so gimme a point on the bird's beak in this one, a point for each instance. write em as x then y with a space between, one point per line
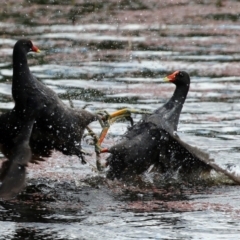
171 77
166 79
35 49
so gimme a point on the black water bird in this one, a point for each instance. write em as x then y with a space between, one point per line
153 140
56 126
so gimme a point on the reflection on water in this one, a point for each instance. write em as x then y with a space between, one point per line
112 64
179 213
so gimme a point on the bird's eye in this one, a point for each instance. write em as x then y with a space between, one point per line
180 74
29 45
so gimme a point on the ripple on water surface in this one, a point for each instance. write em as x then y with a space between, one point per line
120 63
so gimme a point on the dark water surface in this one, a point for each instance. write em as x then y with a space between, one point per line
113 55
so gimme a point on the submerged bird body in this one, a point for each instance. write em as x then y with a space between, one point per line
153 140
56 126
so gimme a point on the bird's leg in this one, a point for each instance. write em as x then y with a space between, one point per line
105 119
97 142
109 119
98 148
122 113
84 160
95 138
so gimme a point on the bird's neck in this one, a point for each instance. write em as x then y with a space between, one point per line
180 94
20 64
22 81
174 107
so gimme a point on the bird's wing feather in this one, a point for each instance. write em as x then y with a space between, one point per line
205 158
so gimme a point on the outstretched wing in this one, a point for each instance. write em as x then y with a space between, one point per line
198 156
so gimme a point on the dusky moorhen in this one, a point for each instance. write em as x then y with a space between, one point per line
57 126
153 140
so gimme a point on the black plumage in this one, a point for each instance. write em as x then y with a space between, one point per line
56 126
13 171
153 140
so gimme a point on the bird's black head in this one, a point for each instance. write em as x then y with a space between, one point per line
26 46
178 78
